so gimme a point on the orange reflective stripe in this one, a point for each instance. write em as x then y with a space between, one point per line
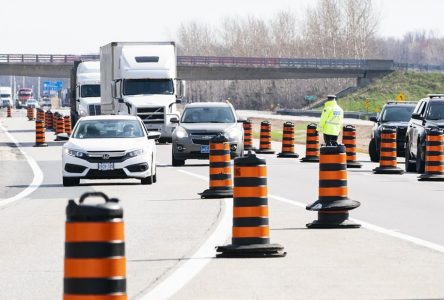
94 231
93 267
333 175
435 158
219 146
434 168
348 133
226 170
333 159
253 211
95 297
337 191
390 163
260 191
435 148
215 183
388 136
240 232
388 153
259 171
220 158
435 138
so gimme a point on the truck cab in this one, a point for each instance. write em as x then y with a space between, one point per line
23 95
140 79
6 96
85 89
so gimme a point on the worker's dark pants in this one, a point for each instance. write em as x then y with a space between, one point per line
330 139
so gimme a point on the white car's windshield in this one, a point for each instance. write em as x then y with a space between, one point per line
105 129
208 115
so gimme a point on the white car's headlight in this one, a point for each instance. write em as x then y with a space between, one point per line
181 132
75 153
232 133
134 153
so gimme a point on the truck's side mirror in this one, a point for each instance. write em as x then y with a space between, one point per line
116 89
416 116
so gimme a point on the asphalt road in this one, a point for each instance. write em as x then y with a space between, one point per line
171 233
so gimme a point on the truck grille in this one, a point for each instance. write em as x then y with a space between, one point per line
151 115
94 109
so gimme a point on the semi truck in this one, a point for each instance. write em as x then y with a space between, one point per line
23 95
139 78
85 90
5 96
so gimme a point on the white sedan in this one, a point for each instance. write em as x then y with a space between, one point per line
109 147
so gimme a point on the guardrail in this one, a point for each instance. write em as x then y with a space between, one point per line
44 58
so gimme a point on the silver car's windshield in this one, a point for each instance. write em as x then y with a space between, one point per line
208 115
105 129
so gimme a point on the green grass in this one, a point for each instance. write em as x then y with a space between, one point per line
414 85
276 135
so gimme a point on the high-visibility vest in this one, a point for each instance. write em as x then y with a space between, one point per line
331 119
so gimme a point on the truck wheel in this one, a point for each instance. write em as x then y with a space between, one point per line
374 155
420 160
409 167
69 181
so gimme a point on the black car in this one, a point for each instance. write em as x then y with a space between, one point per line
428 113
394 114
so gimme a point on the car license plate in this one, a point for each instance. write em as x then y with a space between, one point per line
204 149
107 166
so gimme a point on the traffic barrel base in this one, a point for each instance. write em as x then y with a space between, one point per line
311 144
250 232
354 164
333 203
290 155
265 139
220 170
434 156
387 160
94 264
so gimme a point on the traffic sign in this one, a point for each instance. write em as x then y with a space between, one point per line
401 97
367 103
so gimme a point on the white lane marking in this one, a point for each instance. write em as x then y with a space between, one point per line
185 272
392 233
38 174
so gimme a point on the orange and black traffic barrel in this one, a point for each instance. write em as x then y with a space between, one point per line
221 183
248 135
333 203
60 125
265 139
48 118
311 144
434 155
288 141
39 134
387 160
95 265
250 233
30 113
349 140
8 112
41 116
67 123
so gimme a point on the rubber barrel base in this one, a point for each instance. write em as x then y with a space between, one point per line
289 155
388 170
310 159
41 145
329 225
354 164
431 177
215 194
265 151
255 250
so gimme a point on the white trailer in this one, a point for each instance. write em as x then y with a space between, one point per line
6 96
139 78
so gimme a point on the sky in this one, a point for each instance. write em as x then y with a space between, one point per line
82 26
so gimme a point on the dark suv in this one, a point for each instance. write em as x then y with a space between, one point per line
428 113
395 114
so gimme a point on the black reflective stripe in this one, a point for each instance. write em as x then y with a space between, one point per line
331 198
332 167
251 201
434 153
434 163
349 138
312 134
220 176
332 183
388 149
221 164
387 158
219 152
433 143
250 241
265 143
94 249
288 139
388 140
351 153
94 286
249 222
265 130
250 181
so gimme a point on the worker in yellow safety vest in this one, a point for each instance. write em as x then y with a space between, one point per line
331 120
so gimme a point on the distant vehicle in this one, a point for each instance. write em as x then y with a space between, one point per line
140 79
45 102
110 147
429 112
395 114
32 103
6 96
201 122
85 90
22 96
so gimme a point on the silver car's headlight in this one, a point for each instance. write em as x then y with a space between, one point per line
181 132
75 153
134 153
232 134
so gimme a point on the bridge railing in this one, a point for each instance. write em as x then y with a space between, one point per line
44 58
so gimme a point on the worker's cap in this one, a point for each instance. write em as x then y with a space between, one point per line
331 97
